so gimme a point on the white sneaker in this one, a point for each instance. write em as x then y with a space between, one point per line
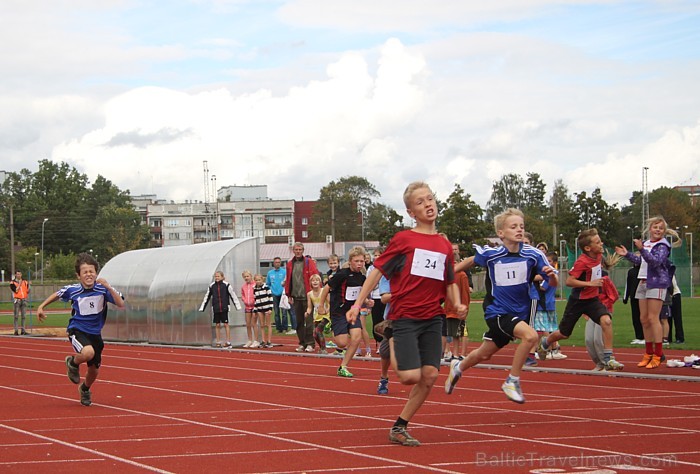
248 344
255 344
675 363
637 341
557 355
512 390
291 332
310 349
690 359
299 349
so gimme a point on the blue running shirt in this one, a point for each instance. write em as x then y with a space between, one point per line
508 279
88 306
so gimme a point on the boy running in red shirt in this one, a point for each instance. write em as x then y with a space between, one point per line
586 279
419 265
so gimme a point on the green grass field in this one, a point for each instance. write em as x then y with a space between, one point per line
622 323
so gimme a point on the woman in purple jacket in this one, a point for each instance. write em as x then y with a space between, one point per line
655 273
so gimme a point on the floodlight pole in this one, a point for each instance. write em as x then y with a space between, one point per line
691 262
42 249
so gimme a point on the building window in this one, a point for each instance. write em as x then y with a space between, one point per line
304 221
304 234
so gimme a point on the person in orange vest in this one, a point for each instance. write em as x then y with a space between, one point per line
20 293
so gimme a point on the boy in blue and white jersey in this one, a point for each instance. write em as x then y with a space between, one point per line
88 298
510 270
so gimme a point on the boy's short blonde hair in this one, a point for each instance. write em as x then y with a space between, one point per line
333 257
410 189
356 251
500 220
244 272
586 237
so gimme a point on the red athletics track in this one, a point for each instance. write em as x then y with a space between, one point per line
190 410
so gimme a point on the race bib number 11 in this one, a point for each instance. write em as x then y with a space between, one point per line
428 264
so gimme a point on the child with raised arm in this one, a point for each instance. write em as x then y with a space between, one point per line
420 267
88 298
343 288
655 274
220 292
510 269
586 280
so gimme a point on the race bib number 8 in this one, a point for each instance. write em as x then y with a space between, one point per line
428 264
509 274
91 305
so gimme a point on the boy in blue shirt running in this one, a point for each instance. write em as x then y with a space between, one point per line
88 298
510 270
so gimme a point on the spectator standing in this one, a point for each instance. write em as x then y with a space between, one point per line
297 286
20 294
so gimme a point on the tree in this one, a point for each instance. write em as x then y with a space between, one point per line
461 220
594 211
348 200
506 192
382 223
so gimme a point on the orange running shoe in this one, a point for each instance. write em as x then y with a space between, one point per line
654 362
645 360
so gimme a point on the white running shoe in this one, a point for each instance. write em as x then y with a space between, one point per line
512 390
299 349
255 344
309 349
453 377
637 341
557 355
248 344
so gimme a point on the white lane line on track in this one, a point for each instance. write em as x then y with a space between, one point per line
80 448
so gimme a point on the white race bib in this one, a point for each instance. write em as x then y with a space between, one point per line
509 274
596 273
428 264
351 292
91 305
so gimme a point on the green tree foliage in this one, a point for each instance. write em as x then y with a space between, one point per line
506 192
382 223
347 199
594 211
461 220
80 216
61 267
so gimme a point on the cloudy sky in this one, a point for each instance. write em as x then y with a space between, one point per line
294 94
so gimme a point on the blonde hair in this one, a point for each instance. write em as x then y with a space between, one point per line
258 276
610 259
316 276
246 272
355 251
675 238
500 220
410 189
333 257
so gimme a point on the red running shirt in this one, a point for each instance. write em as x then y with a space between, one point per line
419 268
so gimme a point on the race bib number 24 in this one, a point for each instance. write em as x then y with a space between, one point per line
428 264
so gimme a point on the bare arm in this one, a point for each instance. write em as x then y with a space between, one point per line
40 310
118 300
465 264
370 283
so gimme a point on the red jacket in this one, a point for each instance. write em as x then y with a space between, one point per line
309 269
608 294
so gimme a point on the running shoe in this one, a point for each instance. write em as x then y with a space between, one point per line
23 333
531 362
645 360
599 368
255 344
248 344
541 351
344 372
614 365
453 377
383 387
556 355
309 349
299 349
399 435
379 328
654 362
512 390
72 371
637 341
85 395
